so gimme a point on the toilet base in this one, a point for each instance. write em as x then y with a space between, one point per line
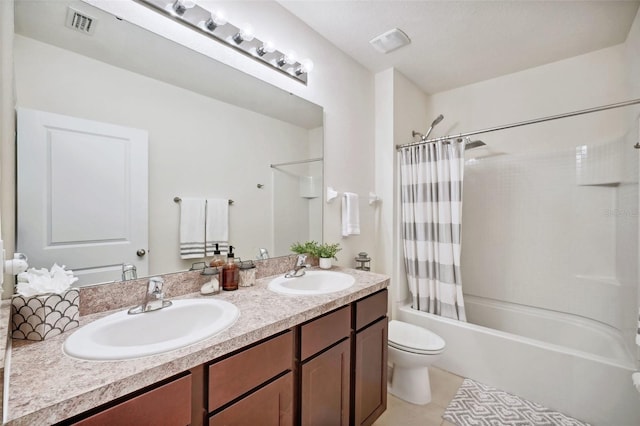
410 384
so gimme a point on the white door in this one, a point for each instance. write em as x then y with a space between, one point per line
82 195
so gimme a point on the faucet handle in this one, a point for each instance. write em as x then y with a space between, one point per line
155 286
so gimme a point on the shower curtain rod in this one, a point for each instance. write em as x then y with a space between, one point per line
311 160
525 123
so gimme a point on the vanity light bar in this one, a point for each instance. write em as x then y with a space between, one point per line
214 25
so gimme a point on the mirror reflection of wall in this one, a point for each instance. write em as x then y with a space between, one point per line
297 201
198 146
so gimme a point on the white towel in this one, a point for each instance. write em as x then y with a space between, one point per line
350 214
217 228
192 221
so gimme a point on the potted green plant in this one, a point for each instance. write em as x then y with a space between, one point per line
307 247
326 253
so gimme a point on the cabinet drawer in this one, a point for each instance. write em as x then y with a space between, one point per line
271 405
371 309
325 331
238 374
169 404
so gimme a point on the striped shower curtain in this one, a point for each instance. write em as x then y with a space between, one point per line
431 197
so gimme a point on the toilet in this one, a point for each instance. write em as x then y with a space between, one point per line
411 350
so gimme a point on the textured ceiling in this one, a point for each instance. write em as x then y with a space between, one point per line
455 43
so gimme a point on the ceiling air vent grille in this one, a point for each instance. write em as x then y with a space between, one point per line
80 22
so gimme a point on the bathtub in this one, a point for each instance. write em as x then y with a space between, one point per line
591 380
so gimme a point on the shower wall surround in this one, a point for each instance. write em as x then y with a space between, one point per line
550 210
545 230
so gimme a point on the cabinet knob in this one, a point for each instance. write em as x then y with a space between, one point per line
141 252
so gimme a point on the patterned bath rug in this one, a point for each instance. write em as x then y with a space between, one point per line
476 404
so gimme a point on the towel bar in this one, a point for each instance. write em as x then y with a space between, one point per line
178 199
332 193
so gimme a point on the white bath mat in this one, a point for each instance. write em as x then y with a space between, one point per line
476 404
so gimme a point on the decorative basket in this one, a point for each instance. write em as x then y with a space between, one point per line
42 317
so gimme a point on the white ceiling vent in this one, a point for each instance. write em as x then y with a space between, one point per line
389 41
79 21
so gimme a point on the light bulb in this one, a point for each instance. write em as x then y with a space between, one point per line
289 58
179 7
216 20
306 66
267 47
245 34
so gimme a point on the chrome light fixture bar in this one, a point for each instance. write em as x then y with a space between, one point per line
216 26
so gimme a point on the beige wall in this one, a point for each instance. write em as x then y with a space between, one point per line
401 107
585 81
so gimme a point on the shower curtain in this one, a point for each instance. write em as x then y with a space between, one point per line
431 177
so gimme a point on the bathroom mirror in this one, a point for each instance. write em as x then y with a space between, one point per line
213 131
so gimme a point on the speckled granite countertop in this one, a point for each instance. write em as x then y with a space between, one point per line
46 386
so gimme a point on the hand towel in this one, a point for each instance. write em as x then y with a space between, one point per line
217 227
192 227
350 214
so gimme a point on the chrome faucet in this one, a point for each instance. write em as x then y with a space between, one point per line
263 254
129 272
153 299
298 270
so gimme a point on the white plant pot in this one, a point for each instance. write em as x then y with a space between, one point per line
325 262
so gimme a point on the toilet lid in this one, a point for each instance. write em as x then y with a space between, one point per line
412 338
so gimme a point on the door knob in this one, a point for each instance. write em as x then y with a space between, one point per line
141 252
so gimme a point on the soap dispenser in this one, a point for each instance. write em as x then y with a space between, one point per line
230 272
217 260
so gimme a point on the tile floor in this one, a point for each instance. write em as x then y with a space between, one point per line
444 386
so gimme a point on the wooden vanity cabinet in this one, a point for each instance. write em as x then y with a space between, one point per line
331 370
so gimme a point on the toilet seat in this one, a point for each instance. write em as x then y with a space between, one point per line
411 338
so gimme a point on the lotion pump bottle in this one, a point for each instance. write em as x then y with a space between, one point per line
217 260
230 273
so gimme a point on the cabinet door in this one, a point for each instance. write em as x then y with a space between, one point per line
271 405
371 373
169 404
325 387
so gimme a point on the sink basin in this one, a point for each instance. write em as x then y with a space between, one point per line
312 282
123 336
